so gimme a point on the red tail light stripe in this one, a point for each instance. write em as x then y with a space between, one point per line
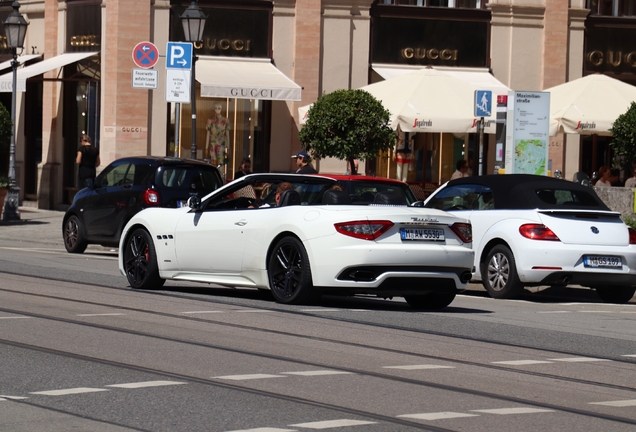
365 230
537 232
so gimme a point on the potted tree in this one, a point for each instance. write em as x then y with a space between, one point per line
348 125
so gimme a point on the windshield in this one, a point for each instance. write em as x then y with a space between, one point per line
364 192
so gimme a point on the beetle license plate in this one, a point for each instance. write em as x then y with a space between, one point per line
600 261
422 234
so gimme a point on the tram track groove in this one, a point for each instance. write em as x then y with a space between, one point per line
339 408
498 367
360 372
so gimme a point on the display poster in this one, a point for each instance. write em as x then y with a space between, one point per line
527 132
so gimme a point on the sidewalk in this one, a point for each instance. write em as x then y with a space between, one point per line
38 228
34 226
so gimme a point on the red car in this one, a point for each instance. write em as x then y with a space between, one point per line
362 189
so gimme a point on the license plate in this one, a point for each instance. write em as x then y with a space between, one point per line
423 234
596 261
182 203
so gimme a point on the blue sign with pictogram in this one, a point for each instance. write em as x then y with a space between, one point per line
145 55
483 103
179 55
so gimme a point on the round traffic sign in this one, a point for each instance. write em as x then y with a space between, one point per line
145 55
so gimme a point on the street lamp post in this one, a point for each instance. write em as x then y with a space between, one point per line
15 28
193 20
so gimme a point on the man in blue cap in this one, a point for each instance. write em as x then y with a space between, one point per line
303 161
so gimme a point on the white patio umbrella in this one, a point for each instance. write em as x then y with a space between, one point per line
427 100
588 105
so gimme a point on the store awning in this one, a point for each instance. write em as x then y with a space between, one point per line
480 78
6 80
21 60
244 78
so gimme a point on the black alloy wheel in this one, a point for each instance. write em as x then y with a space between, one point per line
430 301
74 240
289 273
140 261
499 274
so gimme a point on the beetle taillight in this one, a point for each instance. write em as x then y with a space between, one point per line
151 197
463 230
537 232
366 230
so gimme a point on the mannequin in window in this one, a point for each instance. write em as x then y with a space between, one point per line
218 135
403 154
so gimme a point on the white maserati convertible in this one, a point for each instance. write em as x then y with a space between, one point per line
298 236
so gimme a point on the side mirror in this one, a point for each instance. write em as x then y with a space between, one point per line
194 202
418 204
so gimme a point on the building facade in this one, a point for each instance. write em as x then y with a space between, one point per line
261 60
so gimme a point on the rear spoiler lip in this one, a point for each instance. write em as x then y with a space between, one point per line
586 211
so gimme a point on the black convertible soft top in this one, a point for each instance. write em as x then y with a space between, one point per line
527 191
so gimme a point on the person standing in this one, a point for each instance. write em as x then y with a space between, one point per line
631 182
403 155
303 162
88 160
604 173
246 168
461 169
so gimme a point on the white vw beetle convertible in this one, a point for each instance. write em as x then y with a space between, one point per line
298 236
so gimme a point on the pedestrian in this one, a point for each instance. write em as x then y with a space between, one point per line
604 174
615 177
88 160
245 168
461 169
631 182
303 162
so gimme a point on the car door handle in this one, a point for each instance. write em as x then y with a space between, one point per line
242 222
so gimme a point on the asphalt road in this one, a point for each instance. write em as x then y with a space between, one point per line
82 351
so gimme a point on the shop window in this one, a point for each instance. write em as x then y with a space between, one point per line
469 4
615 8
228 130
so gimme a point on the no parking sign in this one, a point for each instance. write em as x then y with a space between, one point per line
145 55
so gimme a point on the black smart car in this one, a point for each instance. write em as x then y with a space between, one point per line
128 185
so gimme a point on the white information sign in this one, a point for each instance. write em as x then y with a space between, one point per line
527 132
145 78
178 85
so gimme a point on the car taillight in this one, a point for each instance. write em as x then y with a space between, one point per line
632 236
366 230
463 230
151 197
537 232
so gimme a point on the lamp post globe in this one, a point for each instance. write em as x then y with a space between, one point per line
15 27
193 21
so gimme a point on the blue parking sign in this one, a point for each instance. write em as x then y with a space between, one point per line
179 55
483 103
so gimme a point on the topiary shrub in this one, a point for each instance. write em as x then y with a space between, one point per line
348 125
